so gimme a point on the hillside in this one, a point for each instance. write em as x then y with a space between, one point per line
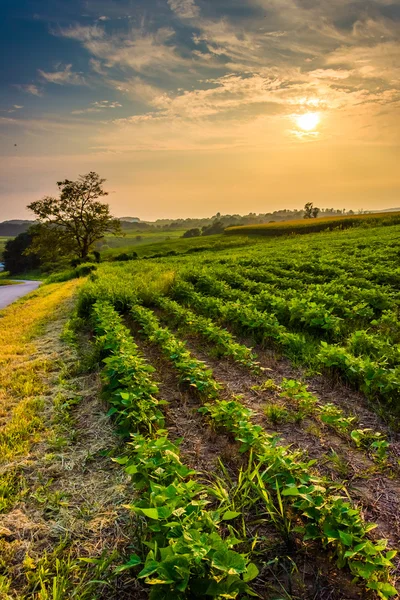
14 228
231 410
302 226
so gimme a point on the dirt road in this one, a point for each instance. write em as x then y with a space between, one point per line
10 293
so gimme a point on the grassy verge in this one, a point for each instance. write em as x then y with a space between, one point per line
22 370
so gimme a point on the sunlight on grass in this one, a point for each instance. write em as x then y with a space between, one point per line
21 377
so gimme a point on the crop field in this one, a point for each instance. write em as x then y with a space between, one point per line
252 392
112 245
303 226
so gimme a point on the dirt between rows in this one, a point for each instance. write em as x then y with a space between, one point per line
376 493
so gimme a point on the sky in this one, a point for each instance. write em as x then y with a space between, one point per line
193 107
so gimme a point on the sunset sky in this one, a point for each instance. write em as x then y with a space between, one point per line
190 107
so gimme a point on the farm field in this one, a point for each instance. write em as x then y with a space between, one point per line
241 403
303 226
111 245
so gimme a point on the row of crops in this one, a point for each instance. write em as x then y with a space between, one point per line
330 304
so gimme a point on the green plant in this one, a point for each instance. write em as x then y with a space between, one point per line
276 413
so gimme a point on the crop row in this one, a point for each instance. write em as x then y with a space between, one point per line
306 403
224 343
329 414
188 556
369 375
325 516
325 311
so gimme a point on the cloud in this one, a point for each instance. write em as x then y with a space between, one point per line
63 77
185 9
80 33
137 89
97 107
138 50
29 88
380 61
330 74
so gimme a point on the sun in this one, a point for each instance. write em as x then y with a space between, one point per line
308 121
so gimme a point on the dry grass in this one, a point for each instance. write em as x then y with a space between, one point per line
21 370
62 496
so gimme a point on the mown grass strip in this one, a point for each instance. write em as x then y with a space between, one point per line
21 374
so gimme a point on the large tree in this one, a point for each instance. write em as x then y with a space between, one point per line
15 256
77 214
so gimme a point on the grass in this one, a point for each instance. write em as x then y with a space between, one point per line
29 276
21 370
36 398
179 245
302 226
8 282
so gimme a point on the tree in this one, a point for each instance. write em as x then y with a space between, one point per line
310 211
15 256
76 215
214 228
54 246
190 233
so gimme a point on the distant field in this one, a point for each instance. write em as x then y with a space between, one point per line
137 238
177 244
315 225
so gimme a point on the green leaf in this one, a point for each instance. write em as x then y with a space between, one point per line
230 514
150 568
134 561
363 570
386 590
131 470
229 561
251 573
152 513
346 538
291 491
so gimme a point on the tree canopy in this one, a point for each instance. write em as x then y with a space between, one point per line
15 256
311 211
76 216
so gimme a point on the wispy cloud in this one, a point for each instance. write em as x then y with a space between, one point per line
64 76
97 107
29 88
137 50
185 9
